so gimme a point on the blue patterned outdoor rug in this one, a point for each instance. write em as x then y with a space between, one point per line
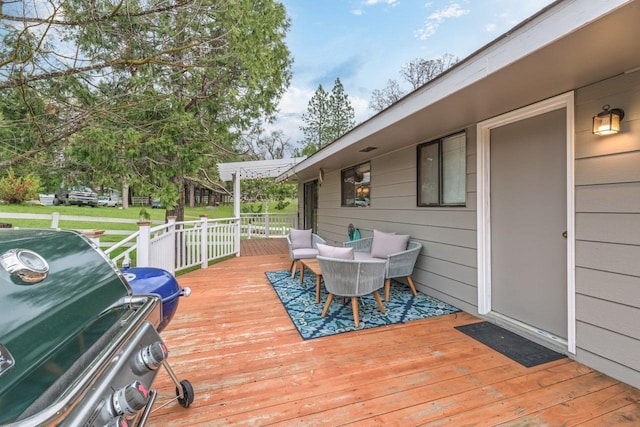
299 299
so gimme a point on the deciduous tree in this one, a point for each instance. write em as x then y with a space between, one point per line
416 73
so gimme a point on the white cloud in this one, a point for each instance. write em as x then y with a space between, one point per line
374 2
490 28
434 20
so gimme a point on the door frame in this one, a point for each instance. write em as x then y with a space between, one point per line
564 101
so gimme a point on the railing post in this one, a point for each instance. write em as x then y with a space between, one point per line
236 239
144 243
55 219
94 236
171 220
204 242
266 224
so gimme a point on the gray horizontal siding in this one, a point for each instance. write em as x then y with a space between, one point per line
613 258
612 198
608 352
607 176
597 312
447 265
613 287
609 228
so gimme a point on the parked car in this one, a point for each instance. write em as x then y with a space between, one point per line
108 201
76 197
155 204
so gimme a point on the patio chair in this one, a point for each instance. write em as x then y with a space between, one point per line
398 250
352 279
303 244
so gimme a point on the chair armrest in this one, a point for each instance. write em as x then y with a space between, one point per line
402 263
360 245
315 239
290 248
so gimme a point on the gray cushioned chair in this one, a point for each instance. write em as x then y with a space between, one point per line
398 264
303 244
352 279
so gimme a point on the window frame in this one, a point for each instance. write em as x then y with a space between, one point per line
440 174
343 195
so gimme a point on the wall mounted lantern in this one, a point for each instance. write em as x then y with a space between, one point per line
607 122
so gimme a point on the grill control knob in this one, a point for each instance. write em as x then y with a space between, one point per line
150 358
130 399
118 421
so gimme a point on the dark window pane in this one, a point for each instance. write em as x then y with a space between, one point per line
356 185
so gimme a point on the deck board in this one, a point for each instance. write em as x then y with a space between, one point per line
235 343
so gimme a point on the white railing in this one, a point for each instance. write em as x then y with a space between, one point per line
177 246
267 224
102 223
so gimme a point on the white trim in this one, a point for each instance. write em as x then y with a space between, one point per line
564 101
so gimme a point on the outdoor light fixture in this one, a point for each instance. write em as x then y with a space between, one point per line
608 121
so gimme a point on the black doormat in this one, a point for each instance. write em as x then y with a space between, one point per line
525 352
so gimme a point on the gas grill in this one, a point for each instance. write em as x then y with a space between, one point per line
77 346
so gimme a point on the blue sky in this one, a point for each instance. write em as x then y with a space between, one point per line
366 42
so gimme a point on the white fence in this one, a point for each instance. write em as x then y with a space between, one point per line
176 246
267 224
55 218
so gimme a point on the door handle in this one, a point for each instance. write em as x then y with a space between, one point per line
564 234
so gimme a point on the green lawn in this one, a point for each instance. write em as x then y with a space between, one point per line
133 213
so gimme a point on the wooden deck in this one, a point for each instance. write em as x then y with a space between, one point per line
234 342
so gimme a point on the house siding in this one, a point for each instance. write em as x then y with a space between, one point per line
607 227
447 265
607 173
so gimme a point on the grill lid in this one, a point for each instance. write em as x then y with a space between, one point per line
50 316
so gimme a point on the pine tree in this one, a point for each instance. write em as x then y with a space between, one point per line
328 117
315 130
341 113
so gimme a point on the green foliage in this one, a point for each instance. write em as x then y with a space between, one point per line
266 190
282 204
18 189
157 93
251 208
328 117
144 215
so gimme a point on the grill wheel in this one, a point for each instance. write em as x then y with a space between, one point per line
187 394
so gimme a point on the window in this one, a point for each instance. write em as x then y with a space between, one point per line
442 172
356 185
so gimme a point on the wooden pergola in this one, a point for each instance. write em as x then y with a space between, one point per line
236 171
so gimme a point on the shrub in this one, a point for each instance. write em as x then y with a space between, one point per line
14 190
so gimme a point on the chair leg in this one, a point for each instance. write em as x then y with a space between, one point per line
376 294
327 304
356 314
412 286
387 289
294 266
